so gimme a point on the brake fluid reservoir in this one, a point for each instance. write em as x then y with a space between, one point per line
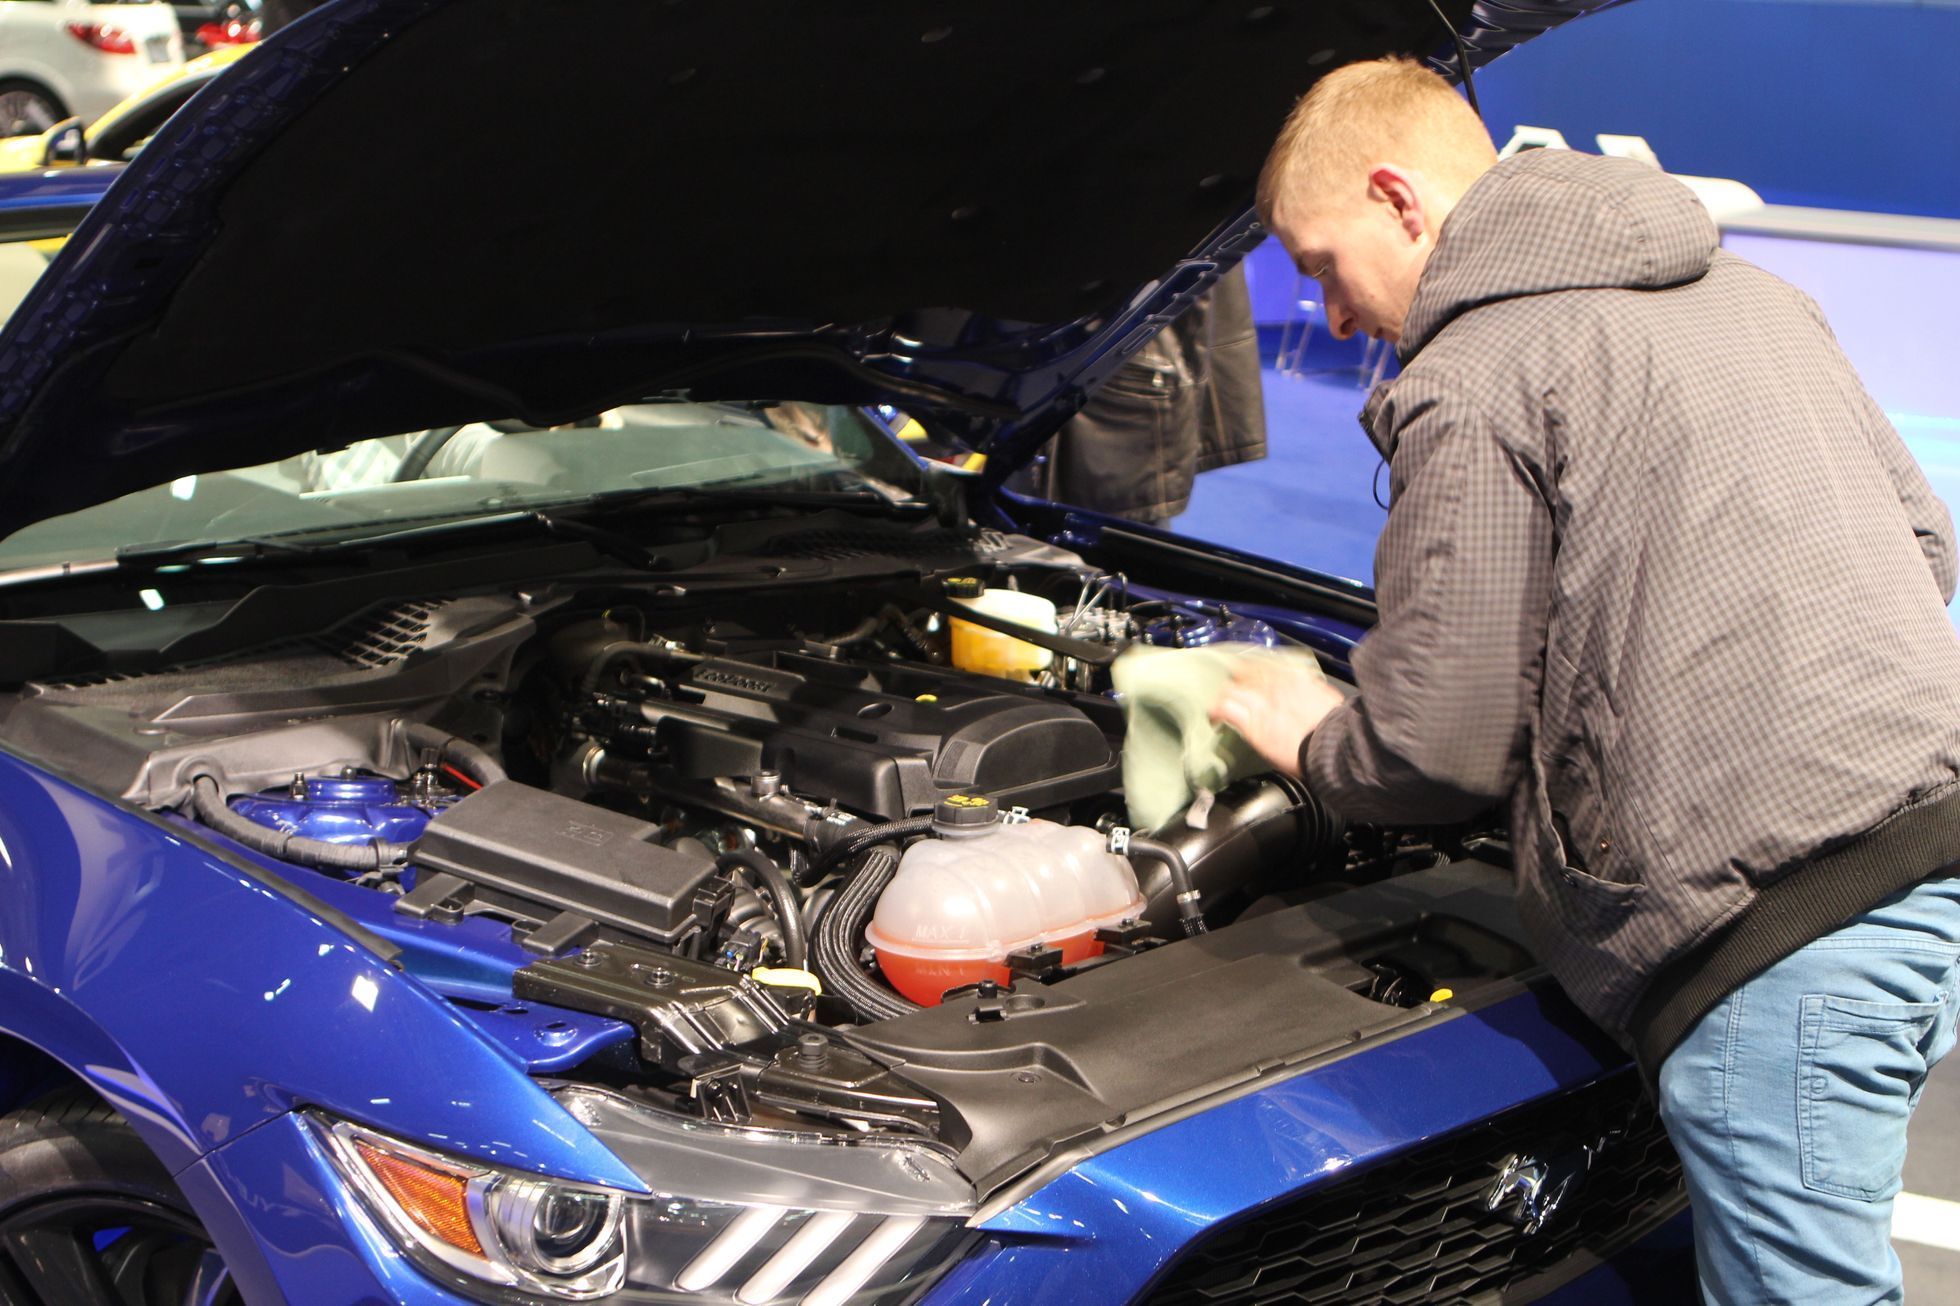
959 904
989 652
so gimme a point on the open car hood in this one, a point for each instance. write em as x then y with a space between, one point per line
408 213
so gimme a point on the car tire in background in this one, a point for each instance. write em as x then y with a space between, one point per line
89 1216
28 108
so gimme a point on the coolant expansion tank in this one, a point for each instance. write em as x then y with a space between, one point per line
960 903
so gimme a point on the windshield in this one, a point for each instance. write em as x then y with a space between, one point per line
453 473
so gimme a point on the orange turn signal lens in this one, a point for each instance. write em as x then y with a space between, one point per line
435 1199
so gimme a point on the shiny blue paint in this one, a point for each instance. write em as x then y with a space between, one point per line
471 960
201 1003
54 188
1107 1228
308 1240
340 809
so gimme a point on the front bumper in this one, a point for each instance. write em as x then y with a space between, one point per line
1154 1216
1365 1179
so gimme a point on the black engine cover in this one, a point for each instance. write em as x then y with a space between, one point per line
886 741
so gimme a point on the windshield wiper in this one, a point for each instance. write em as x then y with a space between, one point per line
151 557
859 497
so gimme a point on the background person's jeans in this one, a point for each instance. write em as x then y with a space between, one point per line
1788 1103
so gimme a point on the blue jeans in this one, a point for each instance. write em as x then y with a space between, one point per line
1788 1103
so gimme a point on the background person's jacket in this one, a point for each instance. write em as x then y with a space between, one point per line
1660 570
1189 401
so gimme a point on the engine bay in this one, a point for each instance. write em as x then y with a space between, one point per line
823 842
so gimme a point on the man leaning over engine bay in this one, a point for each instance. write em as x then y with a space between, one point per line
1660 572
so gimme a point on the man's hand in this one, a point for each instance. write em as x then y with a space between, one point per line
1274 706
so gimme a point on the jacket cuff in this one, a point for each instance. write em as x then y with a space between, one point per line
1328 732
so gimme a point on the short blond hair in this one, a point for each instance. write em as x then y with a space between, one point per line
1385 110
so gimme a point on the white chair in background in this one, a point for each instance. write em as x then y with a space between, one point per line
1297 330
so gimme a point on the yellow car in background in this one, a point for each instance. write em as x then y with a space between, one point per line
118 134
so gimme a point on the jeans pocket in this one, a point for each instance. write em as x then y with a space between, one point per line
1859 1065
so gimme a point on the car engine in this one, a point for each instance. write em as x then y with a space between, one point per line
740 819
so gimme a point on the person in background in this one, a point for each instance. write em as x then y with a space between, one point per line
1658 571
1189 401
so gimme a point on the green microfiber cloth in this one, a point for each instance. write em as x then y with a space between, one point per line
1174 758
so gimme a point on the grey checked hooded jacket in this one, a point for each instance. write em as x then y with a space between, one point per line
1658 569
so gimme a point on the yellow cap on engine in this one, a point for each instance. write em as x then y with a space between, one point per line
787 977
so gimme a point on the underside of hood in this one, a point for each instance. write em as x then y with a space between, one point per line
407 213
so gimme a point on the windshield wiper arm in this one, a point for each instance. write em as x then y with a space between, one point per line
859 496
150 557
617 546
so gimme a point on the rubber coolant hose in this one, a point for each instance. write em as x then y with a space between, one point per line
208 800
1189 913
770 880
855 841
842 925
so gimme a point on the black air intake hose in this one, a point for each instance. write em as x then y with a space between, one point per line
1255 824
208 799
770 880
841 927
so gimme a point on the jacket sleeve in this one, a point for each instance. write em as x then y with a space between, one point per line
1449 674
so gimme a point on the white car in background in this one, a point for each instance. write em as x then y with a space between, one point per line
69 58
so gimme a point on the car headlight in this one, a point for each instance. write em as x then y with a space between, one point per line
492 1226
497 1234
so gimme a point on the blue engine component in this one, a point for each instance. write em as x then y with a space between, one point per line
353 809
1191 627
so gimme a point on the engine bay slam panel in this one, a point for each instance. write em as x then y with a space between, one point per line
1030 1072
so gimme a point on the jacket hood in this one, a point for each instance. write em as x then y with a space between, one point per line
1550 220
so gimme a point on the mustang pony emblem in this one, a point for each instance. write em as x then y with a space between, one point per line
1528 1192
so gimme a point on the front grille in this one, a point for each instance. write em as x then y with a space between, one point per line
1415 1228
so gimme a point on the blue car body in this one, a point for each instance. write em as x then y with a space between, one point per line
234 1007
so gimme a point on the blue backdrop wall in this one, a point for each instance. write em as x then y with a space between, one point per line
1850 104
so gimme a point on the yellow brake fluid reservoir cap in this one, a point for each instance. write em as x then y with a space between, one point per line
1442 995
787 977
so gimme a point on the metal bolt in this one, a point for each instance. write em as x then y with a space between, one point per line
659 977
589 957
1028 1077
